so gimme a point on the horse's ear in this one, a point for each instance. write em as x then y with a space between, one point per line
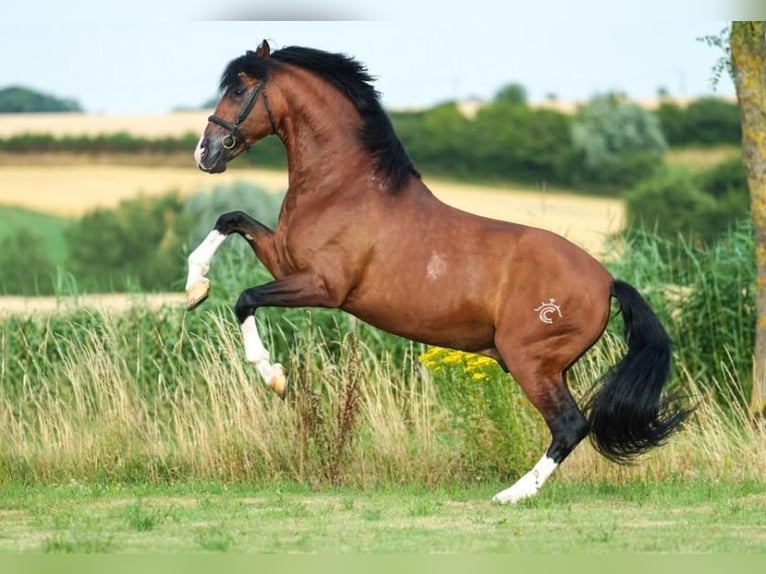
263 50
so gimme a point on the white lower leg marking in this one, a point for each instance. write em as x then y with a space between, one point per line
256 354
199 259
529 484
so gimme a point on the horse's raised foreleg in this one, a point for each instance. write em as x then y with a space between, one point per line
304 289
259 236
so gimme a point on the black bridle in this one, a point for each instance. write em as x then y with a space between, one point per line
235 134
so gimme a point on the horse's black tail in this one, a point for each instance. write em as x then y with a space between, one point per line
627 411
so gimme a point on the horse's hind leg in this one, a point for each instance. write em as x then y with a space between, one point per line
568 426
258 235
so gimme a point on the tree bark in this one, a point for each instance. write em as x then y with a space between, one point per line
748 54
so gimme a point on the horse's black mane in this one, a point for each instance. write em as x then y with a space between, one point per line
352 79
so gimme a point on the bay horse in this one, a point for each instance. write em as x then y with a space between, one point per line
358 230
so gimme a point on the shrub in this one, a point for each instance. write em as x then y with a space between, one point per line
137 245
25 268
707 121
204 208
671 203
727 184
513 141
143 243
710 121
620 142
671 117
702 208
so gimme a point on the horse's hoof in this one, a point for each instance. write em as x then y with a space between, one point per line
278 381
197 293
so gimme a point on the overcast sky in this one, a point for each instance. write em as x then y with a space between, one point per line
150 56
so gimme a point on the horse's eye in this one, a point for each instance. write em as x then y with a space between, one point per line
239 92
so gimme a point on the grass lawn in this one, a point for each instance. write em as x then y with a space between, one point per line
697 517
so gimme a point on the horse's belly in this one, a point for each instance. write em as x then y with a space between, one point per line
464 329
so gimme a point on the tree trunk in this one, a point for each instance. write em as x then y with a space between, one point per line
748 54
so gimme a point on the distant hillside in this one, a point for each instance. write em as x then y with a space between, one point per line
18 99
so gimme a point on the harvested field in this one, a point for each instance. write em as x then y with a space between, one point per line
74 190
75 124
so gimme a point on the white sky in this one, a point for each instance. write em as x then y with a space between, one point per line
150 56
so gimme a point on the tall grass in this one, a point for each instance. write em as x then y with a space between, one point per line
350 418
705 296
164 395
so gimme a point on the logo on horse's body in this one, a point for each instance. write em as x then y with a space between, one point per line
547 309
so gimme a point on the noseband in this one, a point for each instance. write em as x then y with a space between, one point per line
235 134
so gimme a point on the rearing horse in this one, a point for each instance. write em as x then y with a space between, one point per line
360 231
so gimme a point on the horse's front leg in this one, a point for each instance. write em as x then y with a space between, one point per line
304 289
258 235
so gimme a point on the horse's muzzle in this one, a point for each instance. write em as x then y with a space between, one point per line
211 156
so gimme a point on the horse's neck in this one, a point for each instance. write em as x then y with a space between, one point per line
324 153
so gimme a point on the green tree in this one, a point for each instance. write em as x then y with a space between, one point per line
513 93
672 121
444 135
518 142
710 121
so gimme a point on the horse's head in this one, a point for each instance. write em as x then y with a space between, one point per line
243 114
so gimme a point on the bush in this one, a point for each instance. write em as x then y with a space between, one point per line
711 121
143 243
25 268
707 121
672 121
204 208
727 184
512 141
671 203
701 208
136 246
620 142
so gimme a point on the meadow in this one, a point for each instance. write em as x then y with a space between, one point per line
699 518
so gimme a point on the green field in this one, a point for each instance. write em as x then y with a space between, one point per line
698 517
49 227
